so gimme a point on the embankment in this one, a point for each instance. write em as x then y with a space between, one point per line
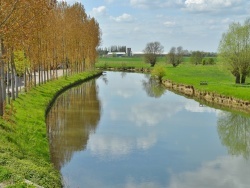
24 146
209 97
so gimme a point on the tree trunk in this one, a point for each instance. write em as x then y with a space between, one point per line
12 76
16 83
243 79
35 77
25 79
237 79
1 67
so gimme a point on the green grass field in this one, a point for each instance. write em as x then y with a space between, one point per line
219 79
122 62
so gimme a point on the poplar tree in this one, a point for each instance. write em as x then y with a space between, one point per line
47 34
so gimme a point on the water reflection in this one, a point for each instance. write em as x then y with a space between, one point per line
153 88
74 115
139 140
234 131
224 172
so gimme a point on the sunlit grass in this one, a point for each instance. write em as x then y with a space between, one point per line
24 148
219 80
124 62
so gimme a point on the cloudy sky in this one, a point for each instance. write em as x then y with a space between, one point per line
192 24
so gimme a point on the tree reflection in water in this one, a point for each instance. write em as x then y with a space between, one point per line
234 132
73 116
153 88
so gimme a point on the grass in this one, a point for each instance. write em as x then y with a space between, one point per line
219 80
24 148
123 62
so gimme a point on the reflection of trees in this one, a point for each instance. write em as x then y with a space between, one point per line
73 116
104 78
123 74
153 88
234 132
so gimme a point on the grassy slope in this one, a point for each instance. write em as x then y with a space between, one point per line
24 149
219 79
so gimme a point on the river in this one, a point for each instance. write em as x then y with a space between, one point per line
125 130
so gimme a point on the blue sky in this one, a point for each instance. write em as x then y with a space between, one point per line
192 24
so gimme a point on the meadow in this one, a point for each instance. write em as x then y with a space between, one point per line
218 78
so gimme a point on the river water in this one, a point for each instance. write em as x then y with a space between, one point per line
124 130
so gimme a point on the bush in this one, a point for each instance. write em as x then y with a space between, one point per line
208 61
159 71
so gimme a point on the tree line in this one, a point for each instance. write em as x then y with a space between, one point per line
38 37
233 52
176 54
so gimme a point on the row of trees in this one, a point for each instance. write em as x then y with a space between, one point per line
234 52
37 37
175 55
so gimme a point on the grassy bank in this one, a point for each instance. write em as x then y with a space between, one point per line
219 80
24 148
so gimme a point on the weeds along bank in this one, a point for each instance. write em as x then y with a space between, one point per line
24 147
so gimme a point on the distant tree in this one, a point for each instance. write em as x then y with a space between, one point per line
102 51
152 50
175 56
196 57
234 50
208 61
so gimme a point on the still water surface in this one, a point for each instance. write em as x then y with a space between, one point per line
123 130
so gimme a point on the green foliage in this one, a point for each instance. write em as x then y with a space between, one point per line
24 148
20 62
208 61
4 174
159 71
234 50
196 57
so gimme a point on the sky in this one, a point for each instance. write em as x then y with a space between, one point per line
192 24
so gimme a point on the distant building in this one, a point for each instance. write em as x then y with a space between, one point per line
116 54
137 54
129 52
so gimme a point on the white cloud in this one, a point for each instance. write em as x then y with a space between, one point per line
224 172
148 114
113 146
123 18
169 24
145 4
99 11
210 5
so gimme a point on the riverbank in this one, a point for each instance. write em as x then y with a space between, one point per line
211 83
24 147
209 97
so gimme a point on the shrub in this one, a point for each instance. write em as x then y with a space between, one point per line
159 71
